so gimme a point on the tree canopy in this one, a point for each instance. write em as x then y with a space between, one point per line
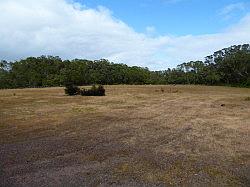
229 66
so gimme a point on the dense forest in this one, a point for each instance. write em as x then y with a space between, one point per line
229 66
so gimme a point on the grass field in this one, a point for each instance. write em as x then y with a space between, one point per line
134 136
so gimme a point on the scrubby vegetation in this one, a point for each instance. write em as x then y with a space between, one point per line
247 99
72 90
229 66
93 91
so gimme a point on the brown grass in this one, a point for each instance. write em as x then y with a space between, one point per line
134 136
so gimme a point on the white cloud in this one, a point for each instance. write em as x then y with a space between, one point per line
151 31
230 10
232 7
58 27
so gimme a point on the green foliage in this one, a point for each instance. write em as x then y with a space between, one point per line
72 90
94 91
229 66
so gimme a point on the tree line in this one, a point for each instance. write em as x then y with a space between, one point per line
229 66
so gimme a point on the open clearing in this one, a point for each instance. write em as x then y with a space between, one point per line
134 136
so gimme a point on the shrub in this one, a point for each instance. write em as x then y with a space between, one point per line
247 99
72 90
94 91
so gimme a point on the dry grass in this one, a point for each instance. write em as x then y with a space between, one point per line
134 136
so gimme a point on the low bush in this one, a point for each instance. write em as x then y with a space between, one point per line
247 99
94 91
72 90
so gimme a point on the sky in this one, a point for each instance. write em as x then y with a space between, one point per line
157 34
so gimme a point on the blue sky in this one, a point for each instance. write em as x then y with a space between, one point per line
175 17
157 34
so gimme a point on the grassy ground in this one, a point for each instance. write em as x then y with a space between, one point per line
134 136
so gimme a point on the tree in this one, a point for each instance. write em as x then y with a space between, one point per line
229 66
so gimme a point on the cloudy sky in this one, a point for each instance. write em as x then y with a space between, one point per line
152 33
